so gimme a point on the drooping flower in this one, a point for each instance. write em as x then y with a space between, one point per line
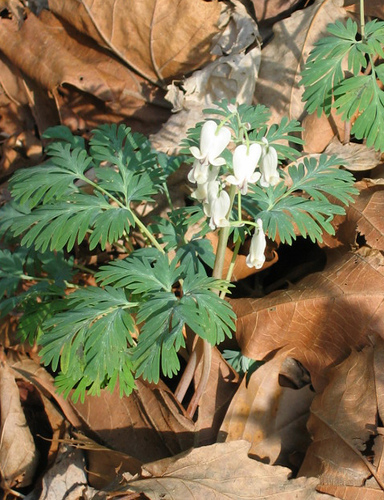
268 165
201 191
256 257
212 144
245 161
217 205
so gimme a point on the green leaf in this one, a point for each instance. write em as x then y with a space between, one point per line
140 274
90 340
281 212
64 134
288 131
361 94
64 223
54 180
11 271
323 70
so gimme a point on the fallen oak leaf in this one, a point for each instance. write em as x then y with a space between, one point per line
343 419
219 471
321 318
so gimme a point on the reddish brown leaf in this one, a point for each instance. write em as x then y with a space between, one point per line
374 8
220 389
343 418
352 492
147 425
158 39
321 318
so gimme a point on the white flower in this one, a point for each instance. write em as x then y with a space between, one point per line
212 144
201 192
245 161
268 166
256 257
217 205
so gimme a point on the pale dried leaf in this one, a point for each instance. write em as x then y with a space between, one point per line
158 39
283 59
231 76
342 420
216 472
271 417
321 318
18 454
356 157
66 478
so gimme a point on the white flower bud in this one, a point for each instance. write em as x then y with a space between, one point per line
268 166
256 257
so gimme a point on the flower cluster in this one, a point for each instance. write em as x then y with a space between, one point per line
252 162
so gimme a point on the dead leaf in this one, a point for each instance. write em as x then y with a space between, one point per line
218 471
221 387
147 425
18 455
343 419
319 132
283 59
374 8
66 478
103 464
321 318
158 39
352 492
271 417
363 217
231 76
268 10
357 157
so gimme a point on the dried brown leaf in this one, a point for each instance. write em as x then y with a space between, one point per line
271 417
283 59
221 387
18 454
363 217
147 425
343 418
321 318
158 39
374 8
352 492
319 131
216 472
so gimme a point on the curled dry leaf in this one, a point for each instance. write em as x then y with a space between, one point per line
321 318
283 59
271 417
147 425
231 76
218 471
18 454
343 419
356 157
364 217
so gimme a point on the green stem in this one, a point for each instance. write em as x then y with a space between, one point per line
362 20
232 265
147 233
144 230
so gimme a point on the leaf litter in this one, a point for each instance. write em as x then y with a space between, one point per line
329 323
